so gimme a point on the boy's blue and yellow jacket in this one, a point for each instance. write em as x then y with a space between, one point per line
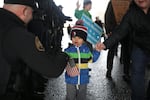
82 56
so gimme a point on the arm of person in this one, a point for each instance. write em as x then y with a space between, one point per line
78 14
49 65
96 55
120 32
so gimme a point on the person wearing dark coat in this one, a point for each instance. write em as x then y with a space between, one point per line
136 22
110 25
18 45
99 22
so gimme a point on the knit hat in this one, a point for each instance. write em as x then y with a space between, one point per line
86 2
80 31
30 3
79 22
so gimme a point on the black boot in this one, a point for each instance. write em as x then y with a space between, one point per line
108 74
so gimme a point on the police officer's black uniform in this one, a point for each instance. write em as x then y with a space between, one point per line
18 45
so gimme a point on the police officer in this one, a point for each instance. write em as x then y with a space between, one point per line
18 45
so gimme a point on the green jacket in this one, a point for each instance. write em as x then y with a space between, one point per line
78 13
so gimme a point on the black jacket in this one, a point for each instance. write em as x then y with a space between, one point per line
110 21
137 24
18 45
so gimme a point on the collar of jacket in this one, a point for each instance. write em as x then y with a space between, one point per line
8 17
83 45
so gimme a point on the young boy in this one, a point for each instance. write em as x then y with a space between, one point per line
87 5
77 76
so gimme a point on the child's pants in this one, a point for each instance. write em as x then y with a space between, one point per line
76 92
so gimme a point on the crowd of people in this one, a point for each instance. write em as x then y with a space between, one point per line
20 48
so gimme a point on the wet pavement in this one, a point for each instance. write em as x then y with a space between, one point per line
99 88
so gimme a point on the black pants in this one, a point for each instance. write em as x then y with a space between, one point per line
25 85
126 55
110 56
148 91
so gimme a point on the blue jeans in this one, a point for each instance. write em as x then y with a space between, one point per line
139 63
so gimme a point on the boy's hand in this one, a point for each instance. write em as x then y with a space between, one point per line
72 71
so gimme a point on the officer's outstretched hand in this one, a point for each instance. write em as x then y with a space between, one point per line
100 46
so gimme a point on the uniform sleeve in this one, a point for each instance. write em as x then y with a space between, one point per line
120 32
49 65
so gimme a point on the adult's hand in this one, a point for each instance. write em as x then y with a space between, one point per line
100 46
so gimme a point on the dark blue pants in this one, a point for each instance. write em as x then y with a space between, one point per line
139 63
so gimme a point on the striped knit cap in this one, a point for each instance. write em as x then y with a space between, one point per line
80 31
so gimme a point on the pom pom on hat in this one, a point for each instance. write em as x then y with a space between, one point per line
79 22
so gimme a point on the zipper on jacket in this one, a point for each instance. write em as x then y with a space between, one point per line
79 63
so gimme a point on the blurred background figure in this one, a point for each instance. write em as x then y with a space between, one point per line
87 5
69 29
110 25
99 22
